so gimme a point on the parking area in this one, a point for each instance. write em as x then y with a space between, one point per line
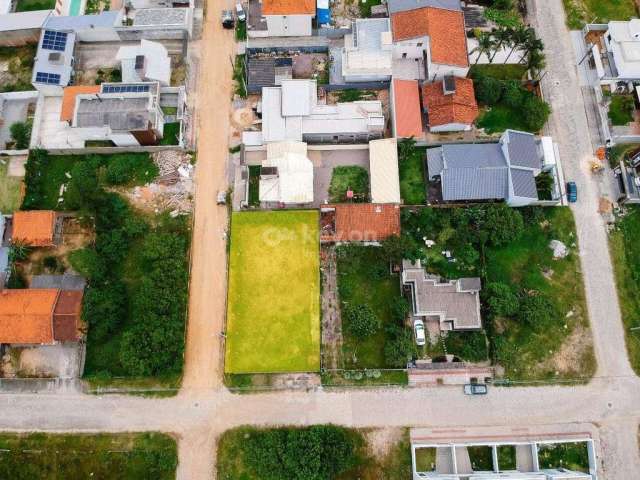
63 360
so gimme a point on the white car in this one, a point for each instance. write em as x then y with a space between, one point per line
240 13
418 329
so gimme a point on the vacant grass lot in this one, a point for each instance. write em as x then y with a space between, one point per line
598 11
273 317
500 71
500 117
625 255
565 350
10 190
621 109
65 456
412 178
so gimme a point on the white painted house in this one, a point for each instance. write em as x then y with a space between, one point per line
280 18
147 62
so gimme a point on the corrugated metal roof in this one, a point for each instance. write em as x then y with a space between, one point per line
481 155
435 162
523 149
475 184
298 97
404 5
23 20
383 166
104 19
524 183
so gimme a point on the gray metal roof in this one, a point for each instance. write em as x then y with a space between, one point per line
122 113
435 163
66 281
367 33
261 72
524 150
470 284
104 19
404 5
160 16
475 184
474 155
524 183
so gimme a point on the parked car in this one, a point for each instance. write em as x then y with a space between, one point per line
227 19
418 329
572 192
240 13
475 389
221 198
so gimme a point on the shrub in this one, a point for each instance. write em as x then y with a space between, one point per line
50 263
488 90
502 224
104 308
469 346
399 247
537 310
399 309
501 299
87 263
400 348
127 168
535 112
513 94
21 134
362 321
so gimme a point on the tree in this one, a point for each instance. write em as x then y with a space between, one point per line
513 94
503 224
537 310
502 38
406 147
400 348
519 37
399 309
501 299
544 185
104 308
535 112
488 90
361 320
19 251
485 46
21 134
399 247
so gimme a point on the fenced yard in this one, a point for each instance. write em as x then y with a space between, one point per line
273 315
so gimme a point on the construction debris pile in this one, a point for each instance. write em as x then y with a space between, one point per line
173 188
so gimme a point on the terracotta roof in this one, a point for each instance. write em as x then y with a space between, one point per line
26 315
288 7
406 108
34 227
66 316
458 107
69 99
445 29
364 222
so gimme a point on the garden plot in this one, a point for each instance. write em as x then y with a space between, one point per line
273 316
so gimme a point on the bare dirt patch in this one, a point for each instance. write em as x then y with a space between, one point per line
574 353
380 441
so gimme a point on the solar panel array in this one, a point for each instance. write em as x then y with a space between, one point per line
48 78
54 40
124 88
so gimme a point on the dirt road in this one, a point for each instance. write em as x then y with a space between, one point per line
208 264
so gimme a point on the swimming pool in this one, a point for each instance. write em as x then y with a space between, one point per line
74 8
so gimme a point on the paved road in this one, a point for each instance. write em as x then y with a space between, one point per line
204 409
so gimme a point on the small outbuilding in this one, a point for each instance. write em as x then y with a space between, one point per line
36 228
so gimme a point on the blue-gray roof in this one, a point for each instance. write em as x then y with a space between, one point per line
104 19
367 33
523 149
475 184
524 183
435 164
474 155
404 5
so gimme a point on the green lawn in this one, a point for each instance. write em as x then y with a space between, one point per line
171 134
499 71
364 278
597 11
621 152
412 178
74 456
10 190
527 354
507 457
625 254
254 185
426 459
365 7
500 117
273 317
31 5
573 456
621 109
352 178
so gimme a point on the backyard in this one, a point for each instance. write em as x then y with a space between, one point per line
621 109
597 11
625 255
319 451
10 190
32 5
349 178
55 456
534 309
136 268
16 64
412 175
271 253
570 455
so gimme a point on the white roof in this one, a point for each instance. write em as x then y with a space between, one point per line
383 166
157 64
368 49
625 47
5 6
23 20
294 180
298 97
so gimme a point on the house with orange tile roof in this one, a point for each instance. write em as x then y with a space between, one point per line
40 316
36 228
429 39
369 223
450 104
406 111
280 18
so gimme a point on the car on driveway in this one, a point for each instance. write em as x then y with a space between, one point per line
572 192
418 329
475 389
240 15
228 21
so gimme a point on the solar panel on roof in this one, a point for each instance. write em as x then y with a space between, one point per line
54 40
48 78
125 88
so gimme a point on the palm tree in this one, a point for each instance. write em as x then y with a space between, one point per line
535 62
532 45
485 45
519 37
502 38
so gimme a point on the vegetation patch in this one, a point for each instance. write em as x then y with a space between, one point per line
621 109
579 12
570 455
254 185
625 255
240 76
273 317
365 7
499 71
171 134
54 456
411 161
10 189
19 65
135 302
32 5
349 178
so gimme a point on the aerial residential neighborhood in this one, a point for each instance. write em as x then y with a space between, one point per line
320 239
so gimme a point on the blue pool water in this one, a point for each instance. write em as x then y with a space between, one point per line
74 9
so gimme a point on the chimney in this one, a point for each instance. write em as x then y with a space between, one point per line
449 85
